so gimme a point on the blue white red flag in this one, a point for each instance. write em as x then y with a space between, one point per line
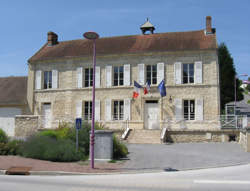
137 88
147 88
162 88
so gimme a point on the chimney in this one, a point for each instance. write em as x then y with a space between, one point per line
208 25
52 38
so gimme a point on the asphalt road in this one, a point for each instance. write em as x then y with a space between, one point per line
183 156
225 179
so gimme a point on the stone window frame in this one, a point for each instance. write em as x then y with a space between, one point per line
87 110
88 79
47 79
119 79
118 113
151 76
189 77
189 109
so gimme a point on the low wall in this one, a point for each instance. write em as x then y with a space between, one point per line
25 125
245 139
186 136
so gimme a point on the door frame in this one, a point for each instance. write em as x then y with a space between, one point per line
157 101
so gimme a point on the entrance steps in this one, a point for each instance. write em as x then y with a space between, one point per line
143 136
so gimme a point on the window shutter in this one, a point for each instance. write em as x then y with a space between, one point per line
79 109
54 79
108 76
127 109
97 110
178 109
198 72
178 72
79 77
127 74
38 79
97 76
199 109
141 74
160 72
108 109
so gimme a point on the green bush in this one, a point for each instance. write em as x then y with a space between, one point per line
47 148
119 149
3 137
10 148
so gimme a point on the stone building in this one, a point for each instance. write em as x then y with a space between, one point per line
60 80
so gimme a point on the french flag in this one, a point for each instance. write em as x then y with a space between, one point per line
137 88
147 88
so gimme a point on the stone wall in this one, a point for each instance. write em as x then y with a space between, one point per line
26 125
245 139
185 136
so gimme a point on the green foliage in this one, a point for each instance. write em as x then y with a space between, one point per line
10 148
119 149
248 85
3 137
227 77
248 102
47 148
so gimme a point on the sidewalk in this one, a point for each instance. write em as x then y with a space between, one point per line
46 166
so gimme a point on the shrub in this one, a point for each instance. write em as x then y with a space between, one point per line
47 148
119 149
3 137
10 148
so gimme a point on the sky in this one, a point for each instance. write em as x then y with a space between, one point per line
24 24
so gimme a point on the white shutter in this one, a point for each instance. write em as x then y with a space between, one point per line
38 79
79 77
79 109
127 109
108 76
141 74
127 74
198 72
108 109
199 109
160 72
54 79
178 72
178 109
97 110
97 76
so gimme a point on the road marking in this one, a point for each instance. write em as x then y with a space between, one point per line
221 182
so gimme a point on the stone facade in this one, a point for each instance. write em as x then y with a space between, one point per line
244 140
26 125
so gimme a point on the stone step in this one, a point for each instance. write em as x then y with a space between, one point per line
144 136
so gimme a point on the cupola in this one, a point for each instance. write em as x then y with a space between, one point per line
147 26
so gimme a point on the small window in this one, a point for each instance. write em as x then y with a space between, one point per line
188 73
151 74
47 82
118 76
88 77
87 110
189 109
118 110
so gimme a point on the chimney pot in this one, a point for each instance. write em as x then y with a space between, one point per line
52 38
208 24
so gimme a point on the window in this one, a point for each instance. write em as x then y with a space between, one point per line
151 74
188 73
87 110
118 76
189 109
88 77
118 110
47 83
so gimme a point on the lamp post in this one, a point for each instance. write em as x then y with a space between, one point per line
92 36
235 90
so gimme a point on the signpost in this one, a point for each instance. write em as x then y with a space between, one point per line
78 127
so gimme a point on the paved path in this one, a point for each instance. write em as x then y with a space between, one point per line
184 156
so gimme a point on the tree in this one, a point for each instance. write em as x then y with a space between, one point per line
227 77
248 85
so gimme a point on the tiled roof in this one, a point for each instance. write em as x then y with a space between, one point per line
160 42
13 90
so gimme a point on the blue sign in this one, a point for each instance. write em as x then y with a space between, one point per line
78 123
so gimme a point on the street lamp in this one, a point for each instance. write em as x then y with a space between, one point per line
235 90
92 36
